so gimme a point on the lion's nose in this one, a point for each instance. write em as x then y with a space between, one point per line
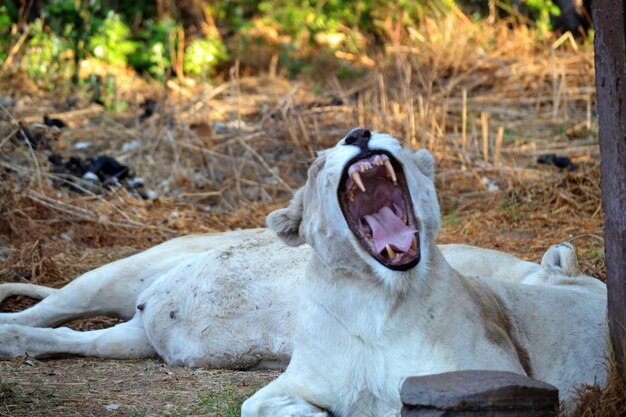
358 137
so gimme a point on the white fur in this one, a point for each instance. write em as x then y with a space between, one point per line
230 300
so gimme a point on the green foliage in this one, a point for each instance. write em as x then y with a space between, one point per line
226 401
133 11
451 219
234 15
303 35
8 14
155 57
5 19
112 42
597 254
333 23
74 20
309 17
510 207
541 11
202 55
43 59
407 12
111 99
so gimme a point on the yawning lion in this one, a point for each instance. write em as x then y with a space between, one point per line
379 301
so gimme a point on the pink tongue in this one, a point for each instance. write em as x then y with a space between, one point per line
388 229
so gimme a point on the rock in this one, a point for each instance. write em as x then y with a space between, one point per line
79 146
8 102
131 146
48 121
472 393
149 107
558 161
112 406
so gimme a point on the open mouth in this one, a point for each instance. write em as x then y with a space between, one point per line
375 200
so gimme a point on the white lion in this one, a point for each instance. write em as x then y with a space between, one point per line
379 302
231 299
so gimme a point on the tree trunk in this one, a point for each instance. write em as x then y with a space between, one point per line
609 18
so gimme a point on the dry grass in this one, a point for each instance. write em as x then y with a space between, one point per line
485 99
609 401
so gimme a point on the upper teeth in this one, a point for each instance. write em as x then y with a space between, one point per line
357 179
365 165
390 171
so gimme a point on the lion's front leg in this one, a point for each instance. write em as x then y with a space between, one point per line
277 400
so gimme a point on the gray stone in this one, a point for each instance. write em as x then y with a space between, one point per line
478 393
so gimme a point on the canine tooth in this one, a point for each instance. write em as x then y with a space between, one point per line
414 244
356 177
390 252
405 219
391 172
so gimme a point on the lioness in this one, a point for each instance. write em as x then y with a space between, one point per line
379 302
225 299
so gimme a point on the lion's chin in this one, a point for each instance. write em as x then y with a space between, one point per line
375 201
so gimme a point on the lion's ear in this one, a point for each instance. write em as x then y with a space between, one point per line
425 162
285 222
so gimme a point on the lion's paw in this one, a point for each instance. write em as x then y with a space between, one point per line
283 406
11 341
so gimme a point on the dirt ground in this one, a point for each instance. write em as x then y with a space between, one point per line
219 157
95 387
